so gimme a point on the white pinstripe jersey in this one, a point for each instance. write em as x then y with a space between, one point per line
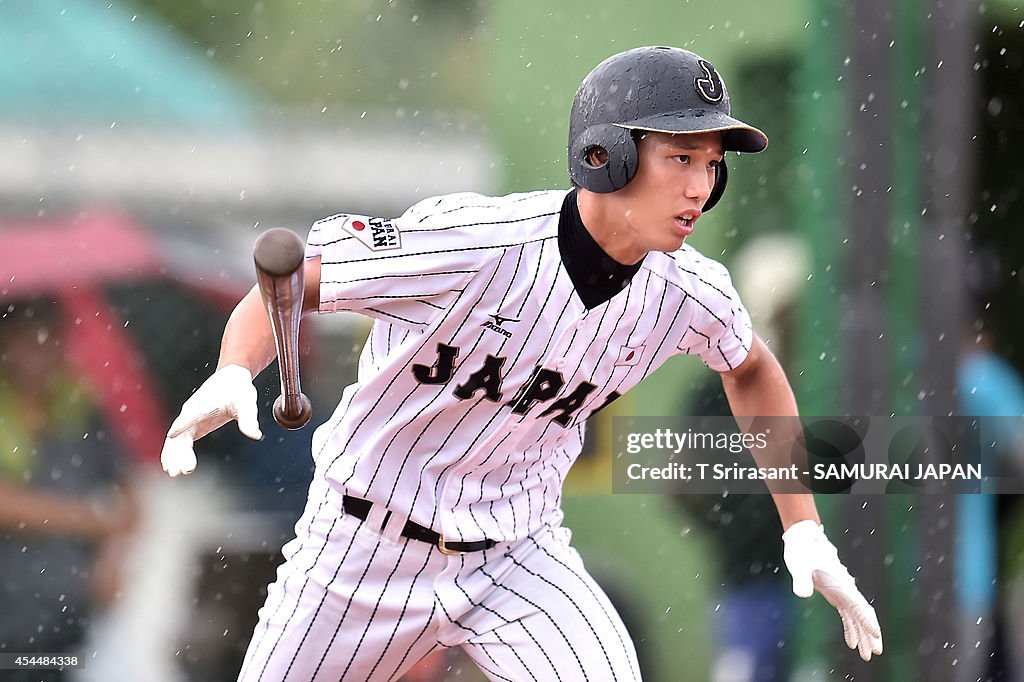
483 362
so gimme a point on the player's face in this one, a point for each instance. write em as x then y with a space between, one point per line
674 178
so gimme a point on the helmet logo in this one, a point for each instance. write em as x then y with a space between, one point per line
709 87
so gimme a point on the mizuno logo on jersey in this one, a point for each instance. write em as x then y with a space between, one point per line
377 234
495 326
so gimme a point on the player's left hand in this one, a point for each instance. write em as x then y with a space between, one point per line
814 563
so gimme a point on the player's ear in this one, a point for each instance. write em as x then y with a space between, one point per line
597 157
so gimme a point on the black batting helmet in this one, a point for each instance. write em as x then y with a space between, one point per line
657 89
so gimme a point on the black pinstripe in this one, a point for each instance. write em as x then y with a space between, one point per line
542 475
629 340
413 297
530 195
726 327
323 599
369 621
511 507
570 600
629 370
539 609
369 348
302 590
704 281
706 337
586 353
426 624
416 275
381 313
694 299
505 620
470 630
654 356
493 222
583 582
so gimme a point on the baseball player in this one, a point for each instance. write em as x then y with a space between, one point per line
500 325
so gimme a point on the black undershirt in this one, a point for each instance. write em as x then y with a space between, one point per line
594 274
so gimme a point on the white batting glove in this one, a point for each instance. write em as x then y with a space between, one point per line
228 394
814 563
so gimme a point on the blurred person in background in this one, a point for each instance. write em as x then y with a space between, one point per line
990 579
753 607
66 508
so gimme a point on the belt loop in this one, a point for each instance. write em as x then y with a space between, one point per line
375 519
393 526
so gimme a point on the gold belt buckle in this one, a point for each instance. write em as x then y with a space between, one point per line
444 548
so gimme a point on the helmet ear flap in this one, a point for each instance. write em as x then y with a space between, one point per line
616 172
721 177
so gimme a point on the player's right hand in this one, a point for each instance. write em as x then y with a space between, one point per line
228 394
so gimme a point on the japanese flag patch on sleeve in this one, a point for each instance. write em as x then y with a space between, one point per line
376 234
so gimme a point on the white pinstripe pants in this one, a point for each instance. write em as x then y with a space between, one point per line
352 603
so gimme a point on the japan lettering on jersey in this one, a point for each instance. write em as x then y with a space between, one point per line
483 362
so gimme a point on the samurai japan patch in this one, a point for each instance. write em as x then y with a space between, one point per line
376 234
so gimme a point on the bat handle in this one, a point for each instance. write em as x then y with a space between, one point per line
279 257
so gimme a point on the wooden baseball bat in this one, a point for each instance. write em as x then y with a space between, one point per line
279 256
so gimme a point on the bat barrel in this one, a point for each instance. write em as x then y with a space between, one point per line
279 257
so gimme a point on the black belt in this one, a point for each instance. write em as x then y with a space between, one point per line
360 509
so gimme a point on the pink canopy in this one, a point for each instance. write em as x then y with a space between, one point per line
70 259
